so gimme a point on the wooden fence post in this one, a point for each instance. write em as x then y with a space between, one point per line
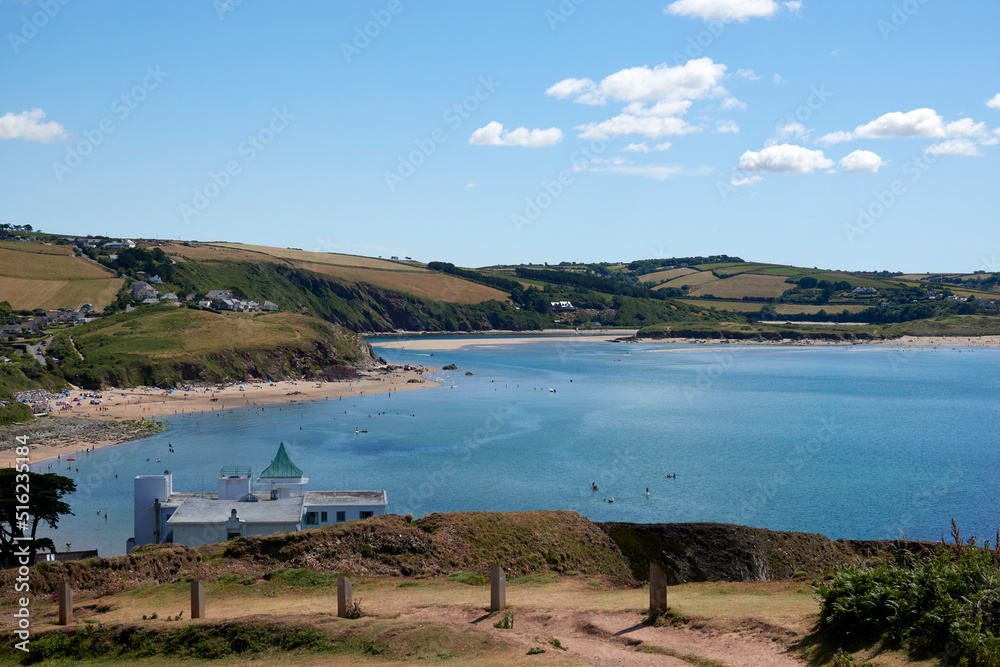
197 599
498 588
65 604
657 588
343 595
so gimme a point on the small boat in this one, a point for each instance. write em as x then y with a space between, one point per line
72 458
552 390
362 430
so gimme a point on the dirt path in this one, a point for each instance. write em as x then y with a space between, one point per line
617 638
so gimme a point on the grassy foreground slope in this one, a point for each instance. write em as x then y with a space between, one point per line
164 345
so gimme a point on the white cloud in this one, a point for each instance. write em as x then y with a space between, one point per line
724 126
28 125
991 139
778 79
731 103
656 98
649 126
493 134
785 158
994 102
747 180
695 79
660 172
569 88
794 6
637 148
862 161
662 147
954 147
748 74
916 123
470 185
725 11
791 129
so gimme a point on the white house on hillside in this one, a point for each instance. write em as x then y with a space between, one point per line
234 510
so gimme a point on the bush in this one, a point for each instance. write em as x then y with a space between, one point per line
950 598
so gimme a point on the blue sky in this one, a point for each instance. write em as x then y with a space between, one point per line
847 135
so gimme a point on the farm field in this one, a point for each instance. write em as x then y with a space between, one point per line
40 276
669 274
745 284
321 257
418 282
693 279
27 294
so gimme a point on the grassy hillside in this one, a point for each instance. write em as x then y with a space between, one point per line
164 345
33 275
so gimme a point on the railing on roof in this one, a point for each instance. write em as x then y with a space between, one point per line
235 471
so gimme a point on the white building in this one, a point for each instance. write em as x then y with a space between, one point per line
191 518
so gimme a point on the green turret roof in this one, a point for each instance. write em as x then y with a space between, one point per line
281 466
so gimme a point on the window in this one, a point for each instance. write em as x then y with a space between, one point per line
341 516
365 515
322 517
310 518
231 535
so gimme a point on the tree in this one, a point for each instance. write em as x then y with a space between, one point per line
808 282
43 493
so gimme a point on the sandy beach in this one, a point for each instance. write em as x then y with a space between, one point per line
929 342
499 340
154 404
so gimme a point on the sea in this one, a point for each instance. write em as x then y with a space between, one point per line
864 442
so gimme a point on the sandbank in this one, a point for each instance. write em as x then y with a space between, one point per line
158 404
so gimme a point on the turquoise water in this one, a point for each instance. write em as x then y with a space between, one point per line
861 442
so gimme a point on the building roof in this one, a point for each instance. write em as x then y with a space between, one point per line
281 466
203 510
345 498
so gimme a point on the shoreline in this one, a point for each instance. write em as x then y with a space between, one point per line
123 406
494 340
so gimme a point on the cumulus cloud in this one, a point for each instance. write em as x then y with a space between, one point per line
862 161
28 125
656 99
731 103
637 148
725 11
724 126
695 79
954 147
791 130
569 88
748 74
794 6
746 180
994 102
662 146
778 78
916 123
785 158
493 134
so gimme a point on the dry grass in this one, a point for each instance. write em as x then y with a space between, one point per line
693 279
25 294
423 284
661 276
792 308
746 284
37 248
219 253
318 257
48 265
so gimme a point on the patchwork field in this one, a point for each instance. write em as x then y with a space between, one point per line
669 274
39 276
400 276
693 279
418 282
745 284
